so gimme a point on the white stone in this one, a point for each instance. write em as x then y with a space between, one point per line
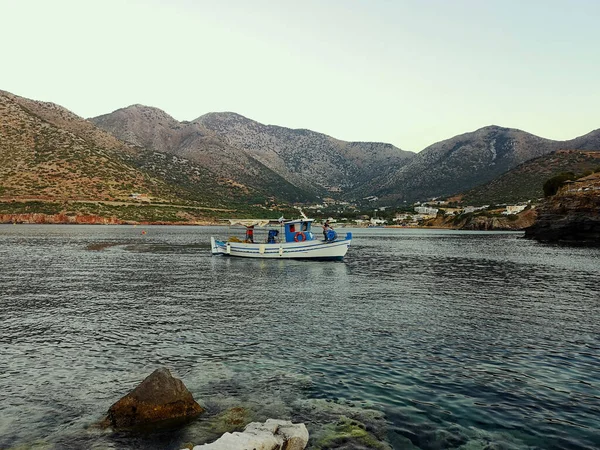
244 441
271 435
295 436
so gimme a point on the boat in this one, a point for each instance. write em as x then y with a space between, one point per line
293 240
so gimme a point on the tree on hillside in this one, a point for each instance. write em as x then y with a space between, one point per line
552 185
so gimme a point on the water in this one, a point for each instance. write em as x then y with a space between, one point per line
442 339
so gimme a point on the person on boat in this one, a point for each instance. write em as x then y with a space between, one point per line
272 235
326 227
250 235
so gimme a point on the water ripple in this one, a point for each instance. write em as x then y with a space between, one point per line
460 339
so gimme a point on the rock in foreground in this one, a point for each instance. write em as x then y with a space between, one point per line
271 435
159 397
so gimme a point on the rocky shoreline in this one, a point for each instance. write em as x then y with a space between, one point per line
162 401
83 219
476 223
517 222
58 219
572 216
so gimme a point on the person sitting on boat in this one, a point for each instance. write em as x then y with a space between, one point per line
326 227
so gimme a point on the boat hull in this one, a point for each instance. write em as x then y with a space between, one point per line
314 250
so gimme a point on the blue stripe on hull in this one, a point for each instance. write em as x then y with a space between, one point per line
303 249
308 258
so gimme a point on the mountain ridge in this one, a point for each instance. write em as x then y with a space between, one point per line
471 159
352 170
223 157
310 160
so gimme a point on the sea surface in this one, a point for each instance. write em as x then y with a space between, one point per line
434 339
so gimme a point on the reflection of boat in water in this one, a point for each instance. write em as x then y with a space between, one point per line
297 242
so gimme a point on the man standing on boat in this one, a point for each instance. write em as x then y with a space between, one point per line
250 234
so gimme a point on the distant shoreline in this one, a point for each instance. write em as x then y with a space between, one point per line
63 219
87 220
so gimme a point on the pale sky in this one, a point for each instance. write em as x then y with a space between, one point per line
408 72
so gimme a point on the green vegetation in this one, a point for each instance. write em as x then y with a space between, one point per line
30 207
231 420
348 433
165 213
552 185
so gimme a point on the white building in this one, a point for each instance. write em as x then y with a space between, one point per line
402 217
426 211
470 209
514 209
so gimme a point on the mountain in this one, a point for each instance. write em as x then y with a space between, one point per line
590 141
154 130
463 162
471 159
308 158
525 181
231 145
224 159
48 152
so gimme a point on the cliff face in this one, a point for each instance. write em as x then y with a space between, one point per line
572 215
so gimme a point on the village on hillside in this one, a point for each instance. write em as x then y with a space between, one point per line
417 214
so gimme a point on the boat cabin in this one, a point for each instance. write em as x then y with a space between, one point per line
298 230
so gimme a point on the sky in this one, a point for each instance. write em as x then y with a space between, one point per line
407 72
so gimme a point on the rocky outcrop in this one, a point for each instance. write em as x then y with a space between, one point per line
572 216
485 222
514 222
271 435
159 397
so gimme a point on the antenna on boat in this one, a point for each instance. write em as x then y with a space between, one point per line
302 214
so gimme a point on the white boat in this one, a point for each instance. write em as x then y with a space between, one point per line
296 241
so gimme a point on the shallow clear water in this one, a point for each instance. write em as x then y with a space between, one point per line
459 339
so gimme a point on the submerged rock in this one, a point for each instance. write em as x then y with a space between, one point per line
233 419
343 425
349 434
159 397
271 435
